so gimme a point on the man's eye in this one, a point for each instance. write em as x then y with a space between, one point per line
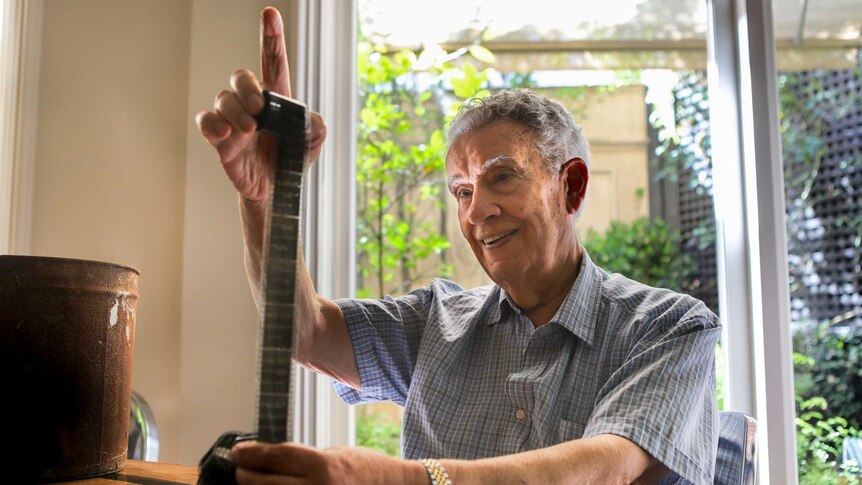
502 177
462 194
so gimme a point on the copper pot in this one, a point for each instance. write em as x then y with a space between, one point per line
67 334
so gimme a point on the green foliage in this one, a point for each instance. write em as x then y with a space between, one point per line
834 368
378 432
803 114
818 444
683 148
719 377
405 103
518 80
820 434
645 250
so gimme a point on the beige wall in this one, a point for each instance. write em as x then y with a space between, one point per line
120 174
615 123
110 164
218 315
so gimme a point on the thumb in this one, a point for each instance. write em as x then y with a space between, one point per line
273 54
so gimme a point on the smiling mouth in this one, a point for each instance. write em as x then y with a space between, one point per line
495 240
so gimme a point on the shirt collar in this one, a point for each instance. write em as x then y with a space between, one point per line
579 310
501 307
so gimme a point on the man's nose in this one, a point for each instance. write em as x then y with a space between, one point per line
482 206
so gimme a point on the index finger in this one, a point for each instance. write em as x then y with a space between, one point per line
273 53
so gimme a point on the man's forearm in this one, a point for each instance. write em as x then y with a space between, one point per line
323 342
253 218
605 459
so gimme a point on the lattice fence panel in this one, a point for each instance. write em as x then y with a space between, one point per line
823 163
824 199
687 167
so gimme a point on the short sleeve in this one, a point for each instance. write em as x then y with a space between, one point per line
663 397
385 335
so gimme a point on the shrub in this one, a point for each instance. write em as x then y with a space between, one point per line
820 433
645 250
833 370
376 431
818 445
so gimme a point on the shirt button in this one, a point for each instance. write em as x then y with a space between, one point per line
520 415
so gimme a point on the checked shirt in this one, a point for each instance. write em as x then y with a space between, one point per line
478 380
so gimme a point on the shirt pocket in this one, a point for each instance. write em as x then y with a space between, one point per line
568 430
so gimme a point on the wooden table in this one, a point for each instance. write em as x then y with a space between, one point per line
145 473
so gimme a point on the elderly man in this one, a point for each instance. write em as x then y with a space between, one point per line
558 373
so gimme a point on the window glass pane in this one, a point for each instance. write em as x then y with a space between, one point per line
632 74
821 131
820 102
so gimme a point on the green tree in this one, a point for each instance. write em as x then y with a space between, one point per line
406 101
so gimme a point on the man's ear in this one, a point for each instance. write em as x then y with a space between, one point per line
576 176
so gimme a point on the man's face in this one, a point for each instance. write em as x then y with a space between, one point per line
512 210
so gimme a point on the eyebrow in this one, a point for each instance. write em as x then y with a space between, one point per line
491 162
486 165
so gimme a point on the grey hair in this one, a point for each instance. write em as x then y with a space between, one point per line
556 135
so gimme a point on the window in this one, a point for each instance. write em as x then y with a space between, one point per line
821 139
750 235
635 81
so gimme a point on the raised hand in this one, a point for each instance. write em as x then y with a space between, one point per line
245 154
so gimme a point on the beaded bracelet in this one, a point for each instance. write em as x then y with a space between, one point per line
436 472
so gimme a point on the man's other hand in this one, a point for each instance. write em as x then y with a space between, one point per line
288 463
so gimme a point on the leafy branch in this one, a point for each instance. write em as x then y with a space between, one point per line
406 100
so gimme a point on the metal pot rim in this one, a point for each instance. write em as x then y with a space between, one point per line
48 259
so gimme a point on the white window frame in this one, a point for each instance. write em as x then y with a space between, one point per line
322 47
19 63
9 57
754 296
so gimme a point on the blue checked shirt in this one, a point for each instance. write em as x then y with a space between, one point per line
478 380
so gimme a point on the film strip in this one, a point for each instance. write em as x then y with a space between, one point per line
287 121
